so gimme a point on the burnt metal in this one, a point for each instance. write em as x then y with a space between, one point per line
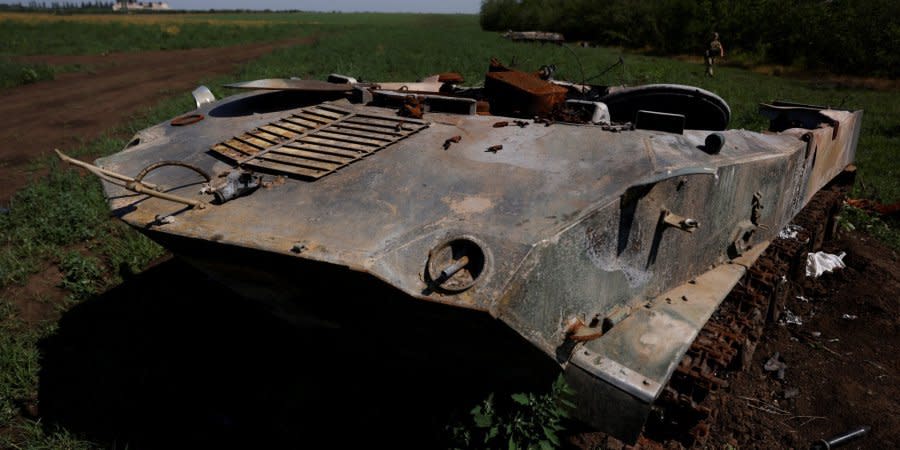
315 141
521 94
452 140
571 225
713 143
237 183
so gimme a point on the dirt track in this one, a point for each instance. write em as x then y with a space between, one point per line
78 107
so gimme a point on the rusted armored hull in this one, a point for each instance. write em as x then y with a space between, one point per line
607 251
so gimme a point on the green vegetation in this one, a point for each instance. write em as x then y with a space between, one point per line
527 421
77 38
15 74
62 219
62 210
843 36
885 230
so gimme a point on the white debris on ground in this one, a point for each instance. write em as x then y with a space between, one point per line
849 317
820 262
789 317
789 232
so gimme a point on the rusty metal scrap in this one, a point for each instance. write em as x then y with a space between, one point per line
519 93
450 77
451 141
187 119
412 107
500 124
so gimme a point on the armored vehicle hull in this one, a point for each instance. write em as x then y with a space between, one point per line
605 245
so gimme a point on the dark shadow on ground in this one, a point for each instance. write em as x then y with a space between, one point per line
170 359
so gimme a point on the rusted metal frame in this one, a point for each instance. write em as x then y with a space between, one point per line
295 121
357 134
360 148
294 170
320 114
331 113
283 124
301 153
363 155
301 136
390 122
371 129
299 161
329 134
324 149
272 159
308 118
276 130
269 136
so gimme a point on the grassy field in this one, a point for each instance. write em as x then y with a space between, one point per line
62 220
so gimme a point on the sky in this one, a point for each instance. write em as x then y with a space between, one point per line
431 6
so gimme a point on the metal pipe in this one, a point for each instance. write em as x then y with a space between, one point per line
841 439
451 270
130 183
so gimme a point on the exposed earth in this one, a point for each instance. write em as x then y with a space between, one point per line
842 370
171 353
78 107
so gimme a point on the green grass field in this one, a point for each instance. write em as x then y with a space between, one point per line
63 221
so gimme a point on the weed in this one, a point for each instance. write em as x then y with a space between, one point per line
18 364
852 219
15 74
33 435
83 274
528 421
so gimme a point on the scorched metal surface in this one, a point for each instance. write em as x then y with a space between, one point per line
605 245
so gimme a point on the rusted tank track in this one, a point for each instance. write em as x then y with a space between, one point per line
685 411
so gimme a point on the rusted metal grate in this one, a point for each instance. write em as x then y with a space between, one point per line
316 141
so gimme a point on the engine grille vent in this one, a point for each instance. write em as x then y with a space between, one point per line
316 141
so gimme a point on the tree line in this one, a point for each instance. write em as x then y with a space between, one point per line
860 37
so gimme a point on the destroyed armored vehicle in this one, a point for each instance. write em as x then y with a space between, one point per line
603 225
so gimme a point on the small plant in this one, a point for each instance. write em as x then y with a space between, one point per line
528 421
852 219
83 274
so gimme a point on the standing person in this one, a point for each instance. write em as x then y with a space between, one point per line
714 51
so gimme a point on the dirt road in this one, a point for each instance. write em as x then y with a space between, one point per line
78 107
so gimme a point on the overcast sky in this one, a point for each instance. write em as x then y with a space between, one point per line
435 6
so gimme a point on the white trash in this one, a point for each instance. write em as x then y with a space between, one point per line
820 262
789 232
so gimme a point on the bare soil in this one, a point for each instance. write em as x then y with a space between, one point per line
842 372
843 361
78 107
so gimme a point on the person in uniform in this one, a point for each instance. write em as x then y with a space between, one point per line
714 51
